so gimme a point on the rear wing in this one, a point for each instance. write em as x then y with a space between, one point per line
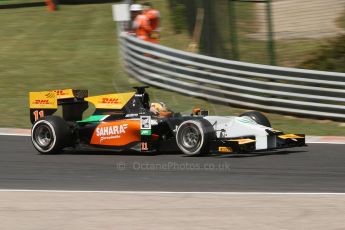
46 103
129 103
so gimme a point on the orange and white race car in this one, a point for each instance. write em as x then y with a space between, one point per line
127 121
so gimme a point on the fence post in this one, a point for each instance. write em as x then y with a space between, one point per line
271 44
233 30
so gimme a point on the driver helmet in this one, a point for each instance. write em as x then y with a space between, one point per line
160 109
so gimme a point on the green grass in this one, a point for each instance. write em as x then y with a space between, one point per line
289 53
77 47
245 14
5 2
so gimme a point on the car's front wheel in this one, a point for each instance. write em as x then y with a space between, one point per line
192 137
50 135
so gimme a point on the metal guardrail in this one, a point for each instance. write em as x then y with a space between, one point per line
285 90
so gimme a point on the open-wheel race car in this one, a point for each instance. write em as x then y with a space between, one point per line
127 121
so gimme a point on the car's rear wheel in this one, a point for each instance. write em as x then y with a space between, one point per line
258 118
192 137
50 135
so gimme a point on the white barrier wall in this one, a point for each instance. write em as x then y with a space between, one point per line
285 90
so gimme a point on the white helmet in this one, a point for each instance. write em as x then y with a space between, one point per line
136 7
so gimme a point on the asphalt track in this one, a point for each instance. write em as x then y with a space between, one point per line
316 168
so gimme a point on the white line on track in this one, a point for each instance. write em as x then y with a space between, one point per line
15 134
171 192
322 142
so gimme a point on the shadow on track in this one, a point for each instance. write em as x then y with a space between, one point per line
262 154
150 154
103 152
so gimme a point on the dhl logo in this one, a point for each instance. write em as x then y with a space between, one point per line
41 102
60 92
106 100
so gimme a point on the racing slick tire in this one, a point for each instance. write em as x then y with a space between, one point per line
50 135
193 137
258 118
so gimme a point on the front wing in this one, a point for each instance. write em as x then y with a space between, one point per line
248 144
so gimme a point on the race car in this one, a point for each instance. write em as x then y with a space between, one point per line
128 121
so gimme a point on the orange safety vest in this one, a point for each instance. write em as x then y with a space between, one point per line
142 27
51 5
